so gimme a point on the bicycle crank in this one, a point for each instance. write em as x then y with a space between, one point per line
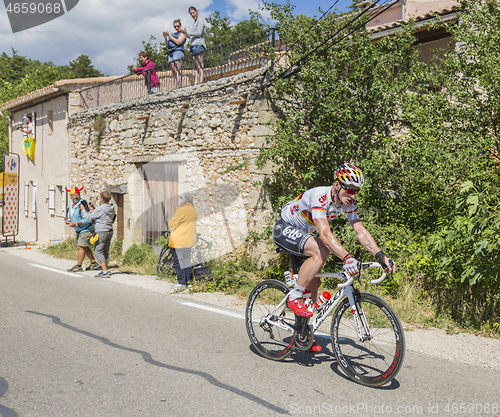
302 335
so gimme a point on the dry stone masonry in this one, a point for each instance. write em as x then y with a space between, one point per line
215 143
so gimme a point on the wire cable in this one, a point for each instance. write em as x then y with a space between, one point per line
295 67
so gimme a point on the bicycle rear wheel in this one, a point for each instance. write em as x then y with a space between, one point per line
376 359
165 263
263 318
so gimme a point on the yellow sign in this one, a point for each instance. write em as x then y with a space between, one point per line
10 178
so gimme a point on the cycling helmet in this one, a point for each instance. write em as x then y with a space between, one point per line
348 174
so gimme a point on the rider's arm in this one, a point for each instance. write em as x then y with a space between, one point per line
364 237
329 239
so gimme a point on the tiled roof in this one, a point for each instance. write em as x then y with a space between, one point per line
57 88
421 18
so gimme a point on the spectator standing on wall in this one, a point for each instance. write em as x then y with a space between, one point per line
148 71
103 217
197 43
175 45
84 230
182 239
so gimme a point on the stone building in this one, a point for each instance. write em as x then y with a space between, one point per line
201 139
42 180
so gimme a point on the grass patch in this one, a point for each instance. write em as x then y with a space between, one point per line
238 276
65 249
139 259
234 276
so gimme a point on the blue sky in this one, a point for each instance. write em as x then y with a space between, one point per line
111 32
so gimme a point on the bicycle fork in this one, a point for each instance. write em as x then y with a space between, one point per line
358 316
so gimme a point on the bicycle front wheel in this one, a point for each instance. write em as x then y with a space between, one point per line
268 321
165 263
377 358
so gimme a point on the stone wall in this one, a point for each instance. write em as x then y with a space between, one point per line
214 142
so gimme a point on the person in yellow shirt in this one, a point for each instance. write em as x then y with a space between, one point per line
182 239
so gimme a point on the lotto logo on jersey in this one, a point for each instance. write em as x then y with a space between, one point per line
292 233
322 200
294 209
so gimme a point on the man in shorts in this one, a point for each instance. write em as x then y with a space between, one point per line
84 231
312 211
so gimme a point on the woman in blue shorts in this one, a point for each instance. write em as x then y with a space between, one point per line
175 45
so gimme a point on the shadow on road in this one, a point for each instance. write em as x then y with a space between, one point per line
147 358
4 411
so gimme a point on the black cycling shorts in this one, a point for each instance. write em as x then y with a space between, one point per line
290 238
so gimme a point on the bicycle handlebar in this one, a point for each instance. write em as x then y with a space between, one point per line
364 265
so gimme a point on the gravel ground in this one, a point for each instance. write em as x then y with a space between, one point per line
463 348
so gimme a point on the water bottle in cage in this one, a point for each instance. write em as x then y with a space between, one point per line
322 299
290 278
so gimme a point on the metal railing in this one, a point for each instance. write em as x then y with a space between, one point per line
231 58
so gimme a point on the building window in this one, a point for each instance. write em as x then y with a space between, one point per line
50 121
60 201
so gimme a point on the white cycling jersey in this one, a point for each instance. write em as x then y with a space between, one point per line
313 204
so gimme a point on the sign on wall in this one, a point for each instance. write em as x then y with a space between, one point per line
10 212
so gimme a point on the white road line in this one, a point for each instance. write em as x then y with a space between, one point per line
238 316
215 310
71 274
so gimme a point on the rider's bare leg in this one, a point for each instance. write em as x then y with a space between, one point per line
318 254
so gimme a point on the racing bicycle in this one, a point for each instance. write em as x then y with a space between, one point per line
366 334
199 253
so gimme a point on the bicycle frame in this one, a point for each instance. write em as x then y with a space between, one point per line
345 290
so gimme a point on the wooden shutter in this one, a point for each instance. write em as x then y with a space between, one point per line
52 200
26 196
34 202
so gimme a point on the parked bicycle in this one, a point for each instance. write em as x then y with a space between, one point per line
366 334
165 265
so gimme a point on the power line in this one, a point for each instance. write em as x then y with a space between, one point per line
295 67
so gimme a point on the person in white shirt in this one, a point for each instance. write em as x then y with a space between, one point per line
197 43
27 129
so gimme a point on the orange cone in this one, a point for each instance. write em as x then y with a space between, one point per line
28 247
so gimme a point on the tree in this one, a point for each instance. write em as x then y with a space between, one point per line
82 67
429 155
221 31
218 31
465 248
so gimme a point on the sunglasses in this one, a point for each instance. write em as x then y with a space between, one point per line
348 190
177 26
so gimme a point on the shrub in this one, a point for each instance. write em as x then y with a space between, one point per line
140 255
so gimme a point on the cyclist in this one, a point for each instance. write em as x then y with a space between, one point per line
311 211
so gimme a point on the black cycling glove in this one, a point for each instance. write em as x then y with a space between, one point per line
383 260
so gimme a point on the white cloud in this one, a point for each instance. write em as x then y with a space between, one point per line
110 32
239 8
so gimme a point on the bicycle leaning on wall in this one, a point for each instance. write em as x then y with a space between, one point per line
199 252
367 337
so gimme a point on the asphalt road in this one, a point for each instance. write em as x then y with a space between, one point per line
80 346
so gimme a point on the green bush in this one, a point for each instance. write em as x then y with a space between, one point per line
233 276
140 255
64 249
464 270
